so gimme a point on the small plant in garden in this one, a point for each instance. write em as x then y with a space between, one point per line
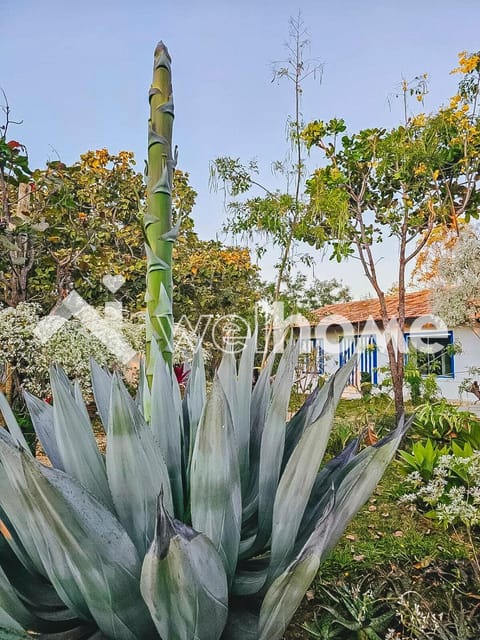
443 421
452 495
353 611
423 459
419 621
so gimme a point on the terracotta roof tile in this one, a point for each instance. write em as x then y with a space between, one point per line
417 304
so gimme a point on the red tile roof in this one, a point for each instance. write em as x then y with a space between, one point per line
417 304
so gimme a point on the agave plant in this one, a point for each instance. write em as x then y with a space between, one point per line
207 520
204 518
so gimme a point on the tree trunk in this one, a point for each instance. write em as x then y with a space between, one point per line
475 389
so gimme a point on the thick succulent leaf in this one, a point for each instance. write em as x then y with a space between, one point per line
11 422
41 414
216 501
81 632
287 591
194 401
227 376
11 605
261 396
184 583
250 576
313 407
135 467
9 627
143 397
244 399
167 427
242 624
320 494
87 555
296 425
359 479
298 478
273 441
77 394
35 592
14 507
12 552
284 597
101 385
76 442
260 400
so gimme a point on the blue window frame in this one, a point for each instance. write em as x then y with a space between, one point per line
433 353
368 363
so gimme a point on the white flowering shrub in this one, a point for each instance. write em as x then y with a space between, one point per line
452 496
72 346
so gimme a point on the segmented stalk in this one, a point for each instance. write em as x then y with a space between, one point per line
159 233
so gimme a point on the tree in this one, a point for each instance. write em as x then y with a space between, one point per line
15 188
456 291
456 285
399 184
92 212
301 296
273 214
443 239
212 279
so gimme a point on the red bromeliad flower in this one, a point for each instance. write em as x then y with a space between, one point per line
181 371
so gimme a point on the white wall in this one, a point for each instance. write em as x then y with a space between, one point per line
469 357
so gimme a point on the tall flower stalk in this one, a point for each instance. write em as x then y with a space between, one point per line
159 233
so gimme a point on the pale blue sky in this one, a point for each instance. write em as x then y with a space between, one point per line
78 73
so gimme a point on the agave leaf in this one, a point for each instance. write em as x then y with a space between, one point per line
135 467
87 555
314 406
101 385
41 414
300 472
167 427
359 479
12 606
11 422
9 627
216 500
244 398
194 401
183 582
296 425
242 624
77 394
250 576
76 442
261 396
319 496
273 441
12 552
143 397
287 590
14 506
227 376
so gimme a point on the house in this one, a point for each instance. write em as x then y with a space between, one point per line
342 327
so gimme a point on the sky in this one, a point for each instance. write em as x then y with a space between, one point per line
77 74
